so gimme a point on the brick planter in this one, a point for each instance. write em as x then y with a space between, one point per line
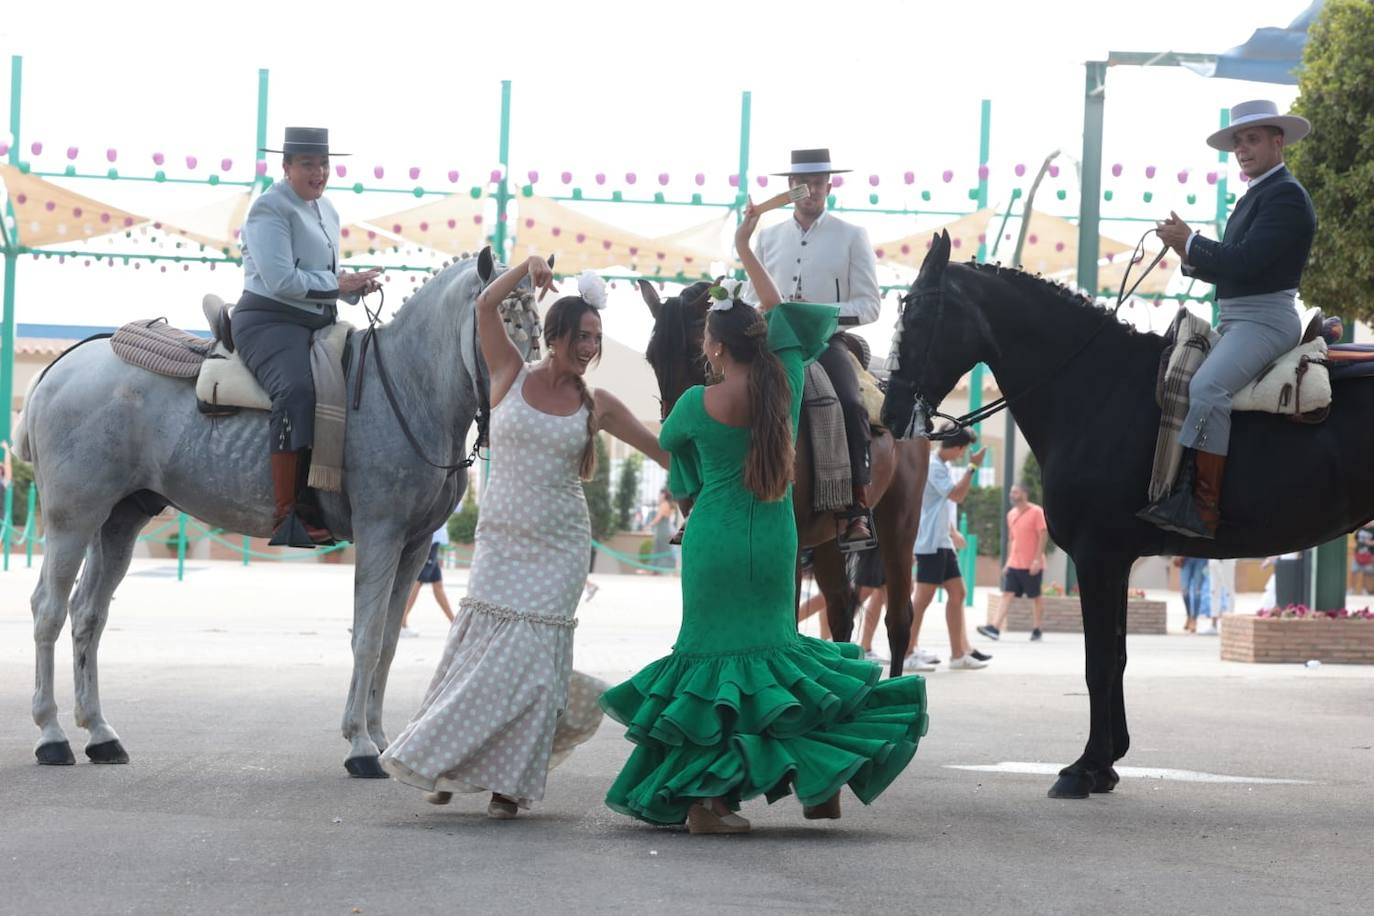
1065 615
1245 638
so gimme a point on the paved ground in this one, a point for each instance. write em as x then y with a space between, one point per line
227 690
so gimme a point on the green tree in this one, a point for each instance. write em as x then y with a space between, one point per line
1031 479
462 525
1336 83
23 479
982 510
627 490
598 492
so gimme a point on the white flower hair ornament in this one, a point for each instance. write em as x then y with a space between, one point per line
724 294
592 288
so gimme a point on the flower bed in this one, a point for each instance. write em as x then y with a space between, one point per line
1297 634
1065 614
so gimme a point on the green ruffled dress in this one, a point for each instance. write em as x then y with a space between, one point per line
745 705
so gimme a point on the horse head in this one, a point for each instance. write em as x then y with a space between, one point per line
938 340
519 311
674 350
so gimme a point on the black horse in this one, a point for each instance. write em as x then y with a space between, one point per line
1082 389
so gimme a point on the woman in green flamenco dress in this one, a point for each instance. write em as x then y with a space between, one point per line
745 705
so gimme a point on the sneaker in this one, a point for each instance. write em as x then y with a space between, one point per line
929 658
965 662
981 656
1209 632
871 656
989 631
915 663
1035 635
409 633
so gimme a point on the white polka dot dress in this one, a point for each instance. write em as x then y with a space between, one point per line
505 706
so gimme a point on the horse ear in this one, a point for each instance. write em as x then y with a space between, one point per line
651 297
486 264
937 259
551 257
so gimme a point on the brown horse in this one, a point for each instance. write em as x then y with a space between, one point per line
899 477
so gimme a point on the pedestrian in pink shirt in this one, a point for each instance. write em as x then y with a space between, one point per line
1027 537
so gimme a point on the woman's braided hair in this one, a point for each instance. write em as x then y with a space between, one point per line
561 323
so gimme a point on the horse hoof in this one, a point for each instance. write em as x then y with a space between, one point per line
1072 784
1105 781
365 768
55 754
107 752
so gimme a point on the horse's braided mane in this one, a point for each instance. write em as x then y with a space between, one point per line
1037 285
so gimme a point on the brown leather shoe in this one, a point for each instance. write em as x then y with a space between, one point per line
288 528
826 810
1207 489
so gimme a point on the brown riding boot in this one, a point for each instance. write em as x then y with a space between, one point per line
288 528
1207 488
856 532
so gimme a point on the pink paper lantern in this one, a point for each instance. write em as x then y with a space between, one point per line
452 223
906 248
36 148
226 164
500 217
533 176
261 167
71 152
104 217
129 221
378 171
50 206
957 243
634 250
982 172
873 180
414 172
600 177
1020 169
909 177
111 154
158 159
761 180
1183 177
581 237
529 223
496 176
4 148
663 178
21 198
982 238
566 178
947 176
1032 238
1149 171
1054 170
345 232
734 181
452 176
1058 246
396 229
1116 170
1211 177
879 253
477 220
424 226
838 181
76 211
630 178
700 179
606 244
556 231
190 162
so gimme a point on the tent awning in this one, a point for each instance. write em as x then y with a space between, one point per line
49 214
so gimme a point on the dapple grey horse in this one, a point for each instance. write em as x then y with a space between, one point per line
111 443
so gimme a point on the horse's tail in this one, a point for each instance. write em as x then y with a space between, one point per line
21 426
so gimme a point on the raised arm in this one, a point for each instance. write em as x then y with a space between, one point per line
615 418
503 359
763 284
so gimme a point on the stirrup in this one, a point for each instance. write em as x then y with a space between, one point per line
292 532
1177 512
843 524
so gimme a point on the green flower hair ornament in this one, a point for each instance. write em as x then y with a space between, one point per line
724 295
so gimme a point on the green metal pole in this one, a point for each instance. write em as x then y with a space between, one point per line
746 103
262 128
181 546
11 268
984 145
9 524
1221 196
503 186
30 525
247 552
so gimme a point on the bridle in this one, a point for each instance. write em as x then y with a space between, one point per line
921 422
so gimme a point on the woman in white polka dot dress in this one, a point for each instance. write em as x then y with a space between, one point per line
505 705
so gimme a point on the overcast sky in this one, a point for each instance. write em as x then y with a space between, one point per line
610 87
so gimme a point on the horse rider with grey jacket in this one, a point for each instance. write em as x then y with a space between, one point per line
291 284
817 257
1256 268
